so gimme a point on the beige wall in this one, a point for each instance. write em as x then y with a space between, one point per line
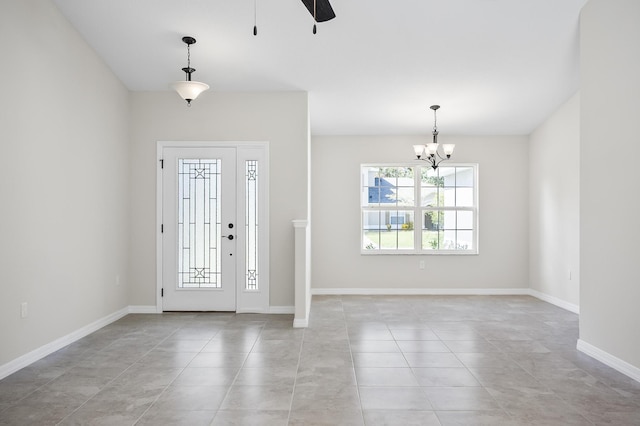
609 153
335 215
279 118
554 205
63 180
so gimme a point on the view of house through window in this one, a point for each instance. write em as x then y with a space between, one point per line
415 209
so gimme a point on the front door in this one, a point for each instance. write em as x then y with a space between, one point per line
199 229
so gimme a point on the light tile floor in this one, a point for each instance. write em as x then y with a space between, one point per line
375 360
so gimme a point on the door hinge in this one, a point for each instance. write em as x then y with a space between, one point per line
162 163
162 292
161 228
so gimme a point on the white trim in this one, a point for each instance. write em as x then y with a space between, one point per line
49 348
143 309
300 323
150 309
282 310
608 359
302 272
555 301
422 291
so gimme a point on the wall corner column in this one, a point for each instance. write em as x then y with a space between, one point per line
302 273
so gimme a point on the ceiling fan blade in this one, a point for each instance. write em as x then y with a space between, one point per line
324 11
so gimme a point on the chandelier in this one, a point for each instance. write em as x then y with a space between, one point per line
430 152
189 90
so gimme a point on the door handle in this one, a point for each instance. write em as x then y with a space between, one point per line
230 237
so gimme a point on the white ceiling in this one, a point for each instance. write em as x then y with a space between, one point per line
495 66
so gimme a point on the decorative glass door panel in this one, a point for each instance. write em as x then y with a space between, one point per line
199 238
251 225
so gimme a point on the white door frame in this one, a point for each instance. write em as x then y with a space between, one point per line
246 300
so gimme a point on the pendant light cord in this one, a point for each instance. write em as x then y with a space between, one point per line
315 19
255 17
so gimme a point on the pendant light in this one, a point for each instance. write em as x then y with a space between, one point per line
429 152
189 89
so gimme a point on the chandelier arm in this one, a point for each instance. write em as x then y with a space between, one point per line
431 160
441 160
440 157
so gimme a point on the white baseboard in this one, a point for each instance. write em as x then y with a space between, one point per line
251 311
421 291
608 359
39 353
143 309
282 310
555 301
151 309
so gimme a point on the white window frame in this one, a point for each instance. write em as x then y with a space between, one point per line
417 210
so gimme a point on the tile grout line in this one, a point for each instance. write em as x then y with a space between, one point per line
66 370
353 364
176 377
509 415
112 380
226 395
412 368
295 377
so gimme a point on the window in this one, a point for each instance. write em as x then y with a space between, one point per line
251 216
409 209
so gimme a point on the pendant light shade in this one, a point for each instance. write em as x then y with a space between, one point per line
189 89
